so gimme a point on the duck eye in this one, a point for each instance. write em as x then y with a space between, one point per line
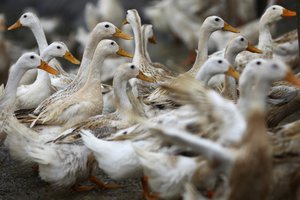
220 61
31 57
112 43
132 66
25 16
274 8
125 132
217 19
258 63
58 47
242 39
275 66
106 26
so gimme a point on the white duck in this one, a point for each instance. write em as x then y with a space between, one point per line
271 15
26 62
254 147
127 109
30 96
120 145
87 101
101 31
210 25
65 164
31 21
233 48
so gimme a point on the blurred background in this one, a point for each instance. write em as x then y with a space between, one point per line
70 21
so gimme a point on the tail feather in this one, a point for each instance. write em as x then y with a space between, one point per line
90 141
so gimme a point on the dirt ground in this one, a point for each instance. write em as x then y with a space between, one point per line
19 181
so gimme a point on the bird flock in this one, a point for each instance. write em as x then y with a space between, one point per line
200 134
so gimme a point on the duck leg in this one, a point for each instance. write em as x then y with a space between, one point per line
82 188
102 185
146 193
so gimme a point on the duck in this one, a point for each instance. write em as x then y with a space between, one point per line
31 21
233 48
87 101
101 31
30 96
210 25
255 143
139 59
149 37
26 62
104 125
270 16
50 155
107 73
120 144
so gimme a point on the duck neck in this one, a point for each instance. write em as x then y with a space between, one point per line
230 87
39 35
258 100
94 68
124 106
138 40
42 76
204 75
202 50
9 96
87 57
265 37
145 46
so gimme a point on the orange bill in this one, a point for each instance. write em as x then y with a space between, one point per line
291 78
232 72
288 13
122 35
228 27
253 49
15 25
47 68
143 77
124 53
68 56
152 40
125 22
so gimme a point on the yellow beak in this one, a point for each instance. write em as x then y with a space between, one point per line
288 13
228 27
124 53
47 68
232 72
291 78
253 49
16 25
122 35
68 56
143 77
125 22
